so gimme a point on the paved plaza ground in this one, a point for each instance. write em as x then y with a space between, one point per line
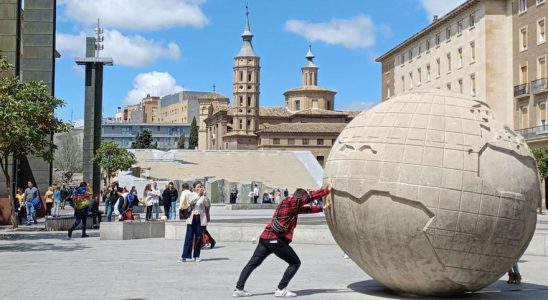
40 265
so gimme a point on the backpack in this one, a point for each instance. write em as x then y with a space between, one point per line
132 199
37 203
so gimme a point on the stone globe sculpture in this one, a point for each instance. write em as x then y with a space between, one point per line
432 195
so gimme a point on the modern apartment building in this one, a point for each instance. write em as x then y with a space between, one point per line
468 51
165 135
529 70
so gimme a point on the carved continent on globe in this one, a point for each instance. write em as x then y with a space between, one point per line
432 195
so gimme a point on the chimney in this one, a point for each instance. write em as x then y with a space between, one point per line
435 18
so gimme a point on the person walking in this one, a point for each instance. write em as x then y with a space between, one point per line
184 200
57 201
156 199
49 201
21 210
169 198
277 236
514 277
111 197
197 219
31 193
81 202
148 195
255 193
211 240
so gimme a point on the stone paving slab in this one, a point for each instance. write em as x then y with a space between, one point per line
146 269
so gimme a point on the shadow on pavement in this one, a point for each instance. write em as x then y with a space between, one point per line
44 235
310 292
27 247
499 289
214 259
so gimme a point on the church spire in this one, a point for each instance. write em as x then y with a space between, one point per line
310 56
247 36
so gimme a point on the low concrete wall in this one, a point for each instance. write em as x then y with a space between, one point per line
131 230
242 232
538 245
241 206
64 223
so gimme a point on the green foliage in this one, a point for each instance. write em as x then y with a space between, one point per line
181 142
541 155
112 158
193 138
27 119
143 140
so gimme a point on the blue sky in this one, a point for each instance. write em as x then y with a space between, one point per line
160 47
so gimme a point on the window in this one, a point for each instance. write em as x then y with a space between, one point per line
403 83
319 142
473 85
438 67
460 57
427 44
410 80
249 75
275 141
428 73
241 76
315 103
542 113
448 85
523 78
459 27
472 51
241 100
472 20
541 67
297 105
402 59
460 86
241 124
437 39
541 31
248 101
522 6
523 38
448 33
524 116
291 141
448 62
410 54
248 123
420 50
329 103
305 142
419 76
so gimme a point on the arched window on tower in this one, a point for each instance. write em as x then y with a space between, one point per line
297 105
241 101
249 75
241 76
248 100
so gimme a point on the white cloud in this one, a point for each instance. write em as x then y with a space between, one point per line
153 83
132 51
440 8
358 32
136 14
358 105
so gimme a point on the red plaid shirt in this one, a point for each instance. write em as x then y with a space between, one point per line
288 211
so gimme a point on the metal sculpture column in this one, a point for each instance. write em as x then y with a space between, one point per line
93 106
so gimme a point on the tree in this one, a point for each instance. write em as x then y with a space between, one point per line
112 158
68 158
541 156
143 140
193 138
181 142
27 120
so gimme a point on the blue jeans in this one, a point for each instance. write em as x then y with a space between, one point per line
193 233
173 211
110 210
156 207
31 212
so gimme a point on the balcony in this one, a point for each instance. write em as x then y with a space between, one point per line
534 132
539 85
521 90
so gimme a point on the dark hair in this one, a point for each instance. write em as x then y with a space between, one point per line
196 183
120 189
185 186
83 184
171 182
300 193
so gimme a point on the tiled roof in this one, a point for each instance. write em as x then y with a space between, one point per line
305 128
310 88
212 96
274 112
320 112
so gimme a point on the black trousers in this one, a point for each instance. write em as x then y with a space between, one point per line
48 208
281 249
149 213
255 198
81 215
167 208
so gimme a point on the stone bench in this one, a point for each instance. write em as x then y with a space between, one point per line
245 232
241 206
63 223
132 230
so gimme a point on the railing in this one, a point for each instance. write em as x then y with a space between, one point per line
533 132
520 90
539 85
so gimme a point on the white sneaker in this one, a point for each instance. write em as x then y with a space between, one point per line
241 293
284 293
197 259
182 260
